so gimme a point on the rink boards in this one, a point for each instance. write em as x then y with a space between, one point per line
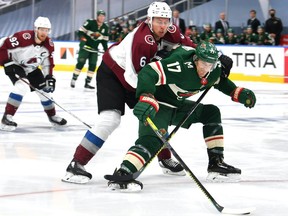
251 63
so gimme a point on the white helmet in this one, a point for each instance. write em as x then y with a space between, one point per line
158 9
42 22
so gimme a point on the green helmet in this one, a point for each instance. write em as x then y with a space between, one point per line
207 52
101 12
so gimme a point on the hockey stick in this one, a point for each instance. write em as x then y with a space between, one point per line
40 92
136 174
199 184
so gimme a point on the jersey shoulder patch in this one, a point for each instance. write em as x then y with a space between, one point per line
21 39
149 39
172 29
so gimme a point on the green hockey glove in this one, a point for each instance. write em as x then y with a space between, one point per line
147 106
244 96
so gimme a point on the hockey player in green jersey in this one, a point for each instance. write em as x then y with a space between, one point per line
163 88
92 33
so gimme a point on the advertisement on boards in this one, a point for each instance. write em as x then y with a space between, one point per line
250 63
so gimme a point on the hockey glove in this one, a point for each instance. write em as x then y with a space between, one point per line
161 54
227 64
11 69
244 96
50 83
147 106
95 35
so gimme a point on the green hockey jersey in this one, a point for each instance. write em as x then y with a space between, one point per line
175 78
90 27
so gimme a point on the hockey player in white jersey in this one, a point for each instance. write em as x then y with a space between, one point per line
22 54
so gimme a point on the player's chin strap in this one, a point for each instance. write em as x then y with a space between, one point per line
49 98
220 208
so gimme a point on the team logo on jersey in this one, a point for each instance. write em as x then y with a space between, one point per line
26 36
149 39
189 64
171 29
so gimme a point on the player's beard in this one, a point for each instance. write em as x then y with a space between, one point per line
41 37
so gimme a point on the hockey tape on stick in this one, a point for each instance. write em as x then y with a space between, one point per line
49 98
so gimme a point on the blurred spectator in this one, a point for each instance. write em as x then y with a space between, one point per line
248 37
116 23
207 33
274 26
124 32
131 27
219 38
114 34
178 21
222 24
194 35
263 38
132 24
231 37
253 21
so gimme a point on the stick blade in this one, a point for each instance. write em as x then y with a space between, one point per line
243 211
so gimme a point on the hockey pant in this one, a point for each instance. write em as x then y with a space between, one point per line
148 144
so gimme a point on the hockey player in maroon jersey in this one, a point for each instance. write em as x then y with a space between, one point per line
21 54
116 82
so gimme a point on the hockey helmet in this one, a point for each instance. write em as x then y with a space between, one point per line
42 22
207 52
101 12
158 9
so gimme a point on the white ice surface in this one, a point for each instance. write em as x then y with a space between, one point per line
33 159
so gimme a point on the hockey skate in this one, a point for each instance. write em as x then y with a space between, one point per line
7 123
125 186
76 173
219 171
88 86
171 167
73 82
57 121
87 83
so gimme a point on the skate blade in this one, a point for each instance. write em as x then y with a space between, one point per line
222 178
76 179
169 172
131 188
57 126
7 128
